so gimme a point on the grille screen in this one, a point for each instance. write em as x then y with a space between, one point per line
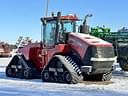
103 52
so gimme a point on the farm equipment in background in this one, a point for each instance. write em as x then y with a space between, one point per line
64 55
119 41
5 50
100 32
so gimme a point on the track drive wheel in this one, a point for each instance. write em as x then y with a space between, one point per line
123 64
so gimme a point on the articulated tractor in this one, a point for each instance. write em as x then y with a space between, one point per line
64 55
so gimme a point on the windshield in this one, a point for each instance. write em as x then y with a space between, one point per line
67 26
54 32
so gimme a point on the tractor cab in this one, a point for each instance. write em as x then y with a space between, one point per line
56 28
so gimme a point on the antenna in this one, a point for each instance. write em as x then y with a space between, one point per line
42 34
46 11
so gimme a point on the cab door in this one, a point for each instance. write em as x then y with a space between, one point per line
49 31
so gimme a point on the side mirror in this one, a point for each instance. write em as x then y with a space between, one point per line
44 22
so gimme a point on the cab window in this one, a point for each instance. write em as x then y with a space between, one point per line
50 33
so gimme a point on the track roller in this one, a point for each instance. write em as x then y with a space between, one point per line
27 73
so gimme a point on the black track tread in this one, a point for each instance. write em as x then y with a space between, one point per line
27 66
13 61
76 78
107 76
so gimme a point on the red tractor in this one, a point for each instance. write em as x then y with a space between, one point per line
64 56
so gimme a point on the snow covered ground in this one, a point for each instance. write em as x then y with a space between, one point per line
118 86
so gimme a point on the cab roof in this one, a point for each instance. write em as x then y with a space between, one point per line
68 17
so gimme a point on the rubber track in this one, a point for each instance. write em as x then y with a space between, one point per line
22 61
72 67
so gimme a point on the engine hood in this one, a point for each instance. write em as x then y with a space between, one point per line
82 42
88 39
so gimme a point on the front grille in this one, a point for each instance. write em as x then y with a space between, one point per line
103 51
97 52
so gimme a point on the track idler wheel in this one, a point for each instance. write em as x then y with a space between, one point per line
45 76
10 73
124 64
67 77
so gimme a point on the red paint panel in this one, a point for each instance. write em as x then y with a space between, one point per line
34 56
40 57
69 17
60 48
78 45
90 40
